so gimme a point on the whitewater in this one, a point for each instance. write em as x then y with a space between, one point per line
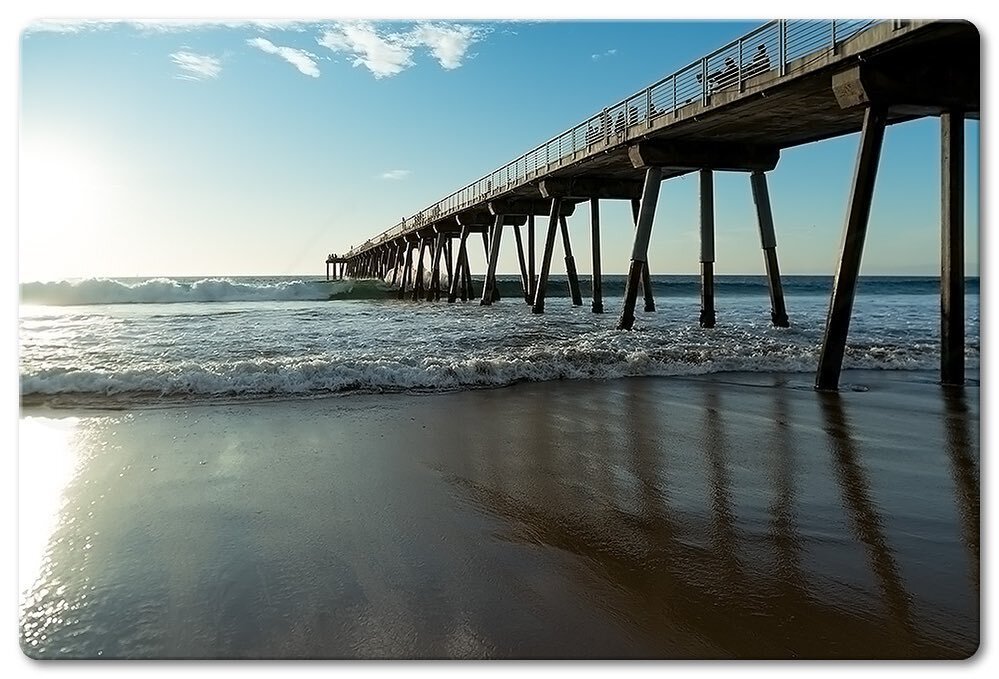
101 342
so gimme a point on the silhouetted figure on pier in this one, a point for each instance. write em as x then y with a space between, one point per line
760 63
729 75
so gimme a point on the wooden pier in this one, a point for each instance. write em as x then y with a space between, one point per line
784 84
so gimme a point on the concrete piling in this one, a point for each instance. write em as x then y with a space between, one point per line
597 284
765 218
854 232
407 269
570 265
418 286
952 248
435 268
525 283
492 255
531 263
546 257
650 302
457 283
640 250
707 186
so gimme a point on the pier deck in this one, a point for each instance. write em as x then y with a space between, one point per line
784 84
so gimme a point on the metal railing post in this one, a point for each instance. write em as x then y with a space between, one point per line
740 64
648 107
833 34
675 109
782 45
704 81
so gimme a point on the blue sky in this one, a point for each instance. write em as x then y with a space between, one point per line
170 148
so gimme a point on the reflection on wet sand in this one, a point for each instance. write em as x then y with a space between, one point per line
677 586
864 515
679 518
965 473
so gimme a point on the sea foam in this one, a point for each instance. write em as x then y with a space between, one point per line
167 291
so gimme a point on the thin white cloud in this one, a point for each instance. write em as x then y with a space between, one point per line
395 174
601 55
383 55
389 53
304 61
162 25
196 66
447 42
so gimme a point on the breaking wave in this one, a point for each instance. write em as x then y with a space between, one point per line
168 291
318 376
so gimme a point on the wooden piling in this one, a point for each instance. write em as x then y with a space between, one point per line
952 248
570 265
327 271
640 250
768 241
650 302
707 185
546 258
489 286
854 232
597 283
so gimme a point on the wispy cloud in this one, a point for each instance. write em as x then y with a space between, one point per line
304 61
196 66
447 42
389 53
383 51
604 54
395 174
383 55
162 25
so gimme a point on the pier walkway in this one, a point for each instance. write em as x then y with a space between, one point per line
781 85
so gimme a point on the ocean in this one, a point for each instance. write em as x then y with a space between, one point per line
287 467
135 341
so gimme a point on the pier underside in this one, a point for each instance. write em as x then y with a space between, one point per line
888 73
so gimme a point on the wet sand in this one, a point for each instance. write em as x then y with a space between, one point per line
733 515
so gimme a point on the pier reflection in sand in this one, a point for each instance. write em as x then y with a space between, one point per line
702 543
723 516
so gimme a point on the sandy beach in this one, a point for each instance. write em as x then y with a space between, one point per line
730 515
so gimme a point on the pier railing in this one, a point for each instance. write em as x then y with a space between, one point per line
771 47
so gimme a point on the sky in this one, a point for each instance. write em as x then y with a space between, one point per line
186 148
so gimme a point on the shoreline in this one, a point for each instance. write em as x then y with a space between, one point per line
723 515
852 380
